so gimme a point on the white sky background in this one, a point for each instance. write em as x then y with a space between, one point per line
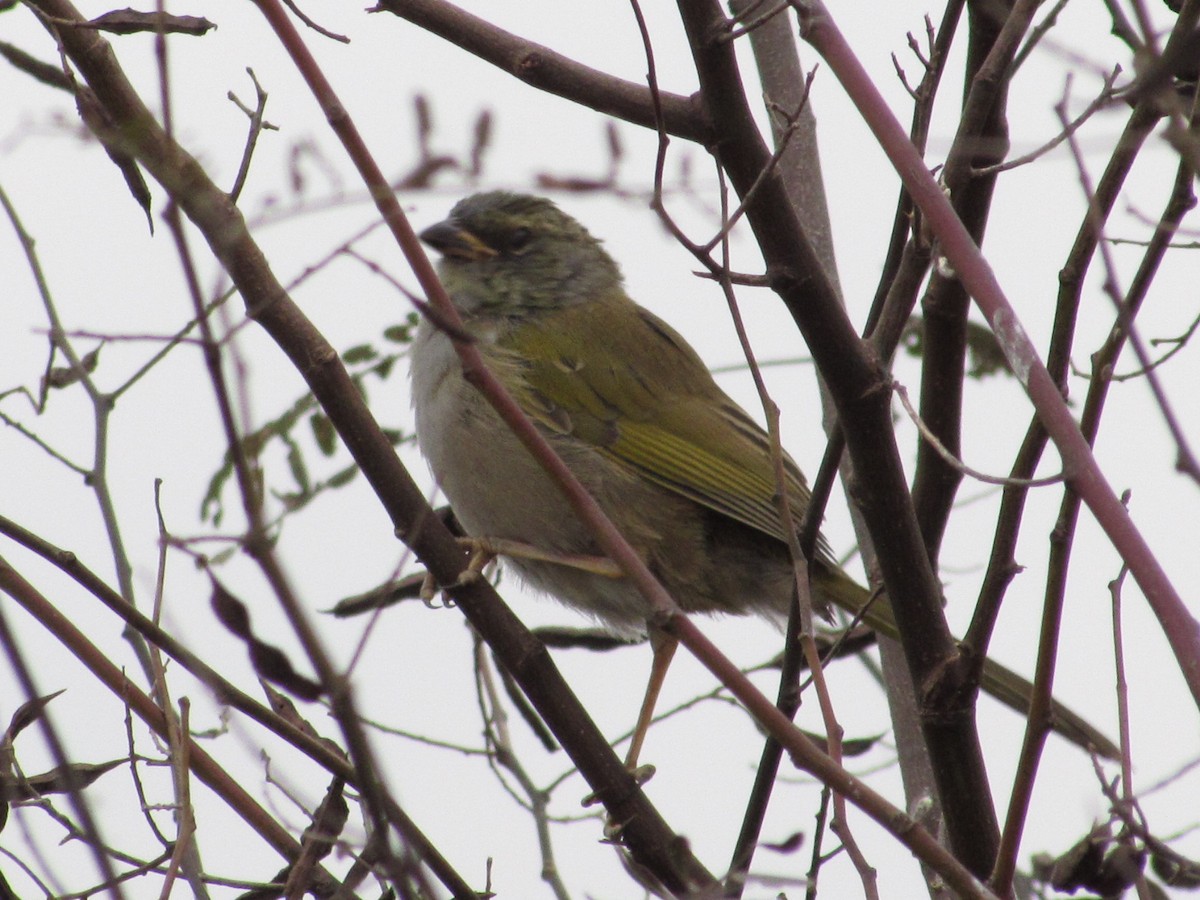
108 276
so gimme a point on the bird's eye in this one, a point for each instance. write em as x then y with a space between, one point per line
519 240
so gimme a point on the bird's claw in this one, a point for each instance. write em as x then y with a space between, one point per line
429 590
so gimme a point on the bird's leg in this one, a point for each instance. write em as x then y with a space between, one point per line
597 565
663 645
485 549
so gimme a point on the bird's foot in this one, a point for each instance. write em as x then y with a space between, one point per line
481 554
485 549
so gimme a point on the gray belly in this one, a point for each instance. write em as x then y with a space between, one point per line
497 489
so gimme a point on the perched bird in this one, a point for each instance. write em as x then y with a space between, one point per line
683 472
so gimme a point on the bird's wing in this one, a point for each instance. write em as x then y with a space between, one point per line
646 400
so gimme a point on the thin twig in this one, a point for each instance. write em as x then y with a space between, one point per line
1175 619
952 460
1186 461
1099 102
257 125
202 765
496 733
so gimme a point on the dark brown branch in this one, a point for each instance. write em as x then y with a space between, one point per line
981 139
796 157
223 227
1002 562
861 395
542 68
1177 622
115 680
1182 200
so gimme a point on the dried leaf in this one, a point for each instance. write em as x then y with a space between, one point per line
34 67
1080 864
788 845
858 746
381 597
567 638
27 713
1175 869
130 21
1096 863
269 662
318 838
62 376
231 612
272 664
286 709
1120 870
850 746
59 780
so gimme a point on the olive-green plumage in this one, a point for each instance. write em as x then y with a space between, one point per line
681 469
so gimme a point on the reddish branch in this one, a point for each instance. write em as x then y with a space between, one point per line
1178 624
668 616
543 68
203 765
222 225
860 391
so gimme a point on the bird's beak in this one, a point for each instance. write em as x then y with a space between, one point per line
451 239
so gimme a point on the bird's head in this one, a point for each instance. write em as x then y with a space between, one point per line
515 255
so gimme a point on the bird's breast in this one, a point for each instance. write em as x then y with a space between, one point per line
491 480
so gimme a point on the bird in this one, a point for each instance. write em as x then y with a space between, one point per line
684 473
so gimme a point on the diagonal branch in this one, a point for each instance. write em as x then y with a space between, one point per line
667 614
222 225
861 394
546 70
203 765
1179 625
981 138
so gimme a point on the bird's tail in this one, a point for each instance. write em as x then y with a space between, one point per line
834 587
